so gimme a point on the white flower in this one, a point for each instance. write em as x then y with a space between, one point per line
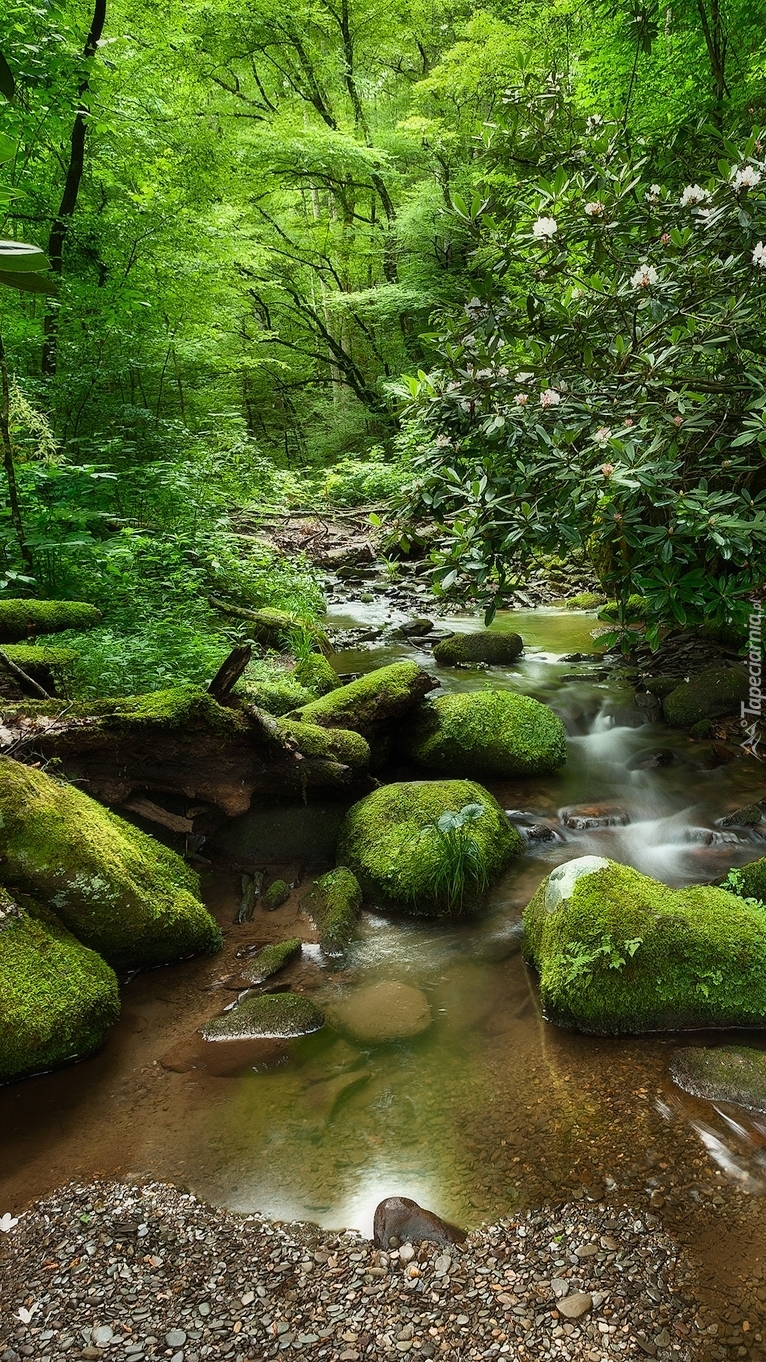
7 1223
653 193
603 435
521 399
594 122
644 277
443 442
745 177
759 259
544 228
550 398
523 377
694 194
594 209
482 374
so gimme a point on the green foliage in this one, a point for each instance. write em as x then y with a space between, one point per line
456 862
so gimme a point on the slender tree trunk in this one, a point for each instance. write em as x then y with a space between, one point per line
10 467
69 197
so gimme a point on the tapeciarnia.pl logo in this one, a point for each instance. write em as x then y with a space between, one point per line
751 710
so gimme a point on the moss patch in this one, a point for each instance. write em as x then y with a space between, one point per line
271 1016
335 744
277 893
715 692
40 655
57 999
585 600
727 1073
751 880
483 645
315 673
383 841
272 959
21 619
381 695
618 952
120 892
277 696
334 903
189 708
486 733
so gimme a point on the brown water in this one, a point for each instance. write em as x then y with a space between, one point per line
490 1108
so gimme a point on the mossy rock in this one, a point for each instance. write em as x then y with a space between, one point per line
269 1016
619 953
390 842
272 959
277 893
333 903
116 889
485 733
335 744
277 696
635 609
316 675
751 880
661 685
726 1073
379 697
20 619
585 600
58 999
483 645
715 692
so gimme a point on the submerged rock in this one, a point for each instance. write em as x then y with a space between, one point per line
711 694
383 1012
486 733
405 1222
618 952
277 893
270 1016
20 619
729 1073
58 999
392 842
582 817
324 1097
483 645
117 890
363 705
272 959
334 903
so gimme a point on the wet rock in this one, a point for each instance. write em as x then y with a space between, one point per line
225 1059
575 1306
662 685
713 693
404 1220
272 959
620 953
649 761
748 817
485 733
334 903
583 817
269 1017
483 645
382 1012
726 1073
414 628
392 842
277 893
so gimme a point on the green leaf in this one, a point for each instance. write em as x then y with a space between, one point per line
27 283
8 147
7 83
19 257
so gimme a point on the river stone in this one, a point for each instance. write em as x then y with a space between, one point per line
333 903
272 959
481 645
575 1306
562 880
583 817
404 1220
383 1012
727 1073
714 692
485 733
270 1016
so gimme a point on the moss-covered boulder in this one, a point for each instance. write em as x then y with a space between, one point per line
618 952
277 694
715 692
277 893
57 998
333 903
272 959
725 1073
20 619
482 645
377 698
485 733
117 890
393 843
316 675
268 1016
750 880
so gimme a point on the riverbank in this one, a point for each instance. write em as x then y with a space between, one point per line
133 1272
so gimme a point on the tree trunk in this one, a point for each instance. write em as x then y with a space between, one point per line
10 467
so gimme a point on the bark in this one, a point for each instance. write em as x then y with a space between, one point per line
9 465
229 672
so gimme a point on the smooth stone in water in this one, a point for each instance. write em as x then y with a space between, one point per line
726 1073
383 1012
270 1016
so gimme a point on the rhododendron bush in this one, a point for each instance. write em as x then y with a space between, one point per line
605 388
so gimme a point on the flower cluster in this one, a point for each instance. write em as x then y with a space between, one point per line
544 228
745 177
693 195
550 398
644 277
594 209
759 255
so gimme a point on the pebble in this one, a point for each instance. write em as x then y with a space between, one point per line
239 1286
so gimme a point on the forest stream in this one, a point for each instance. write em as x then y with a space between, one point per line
489 1109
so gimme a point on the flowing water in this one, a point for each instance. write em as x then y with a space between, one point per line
488 1109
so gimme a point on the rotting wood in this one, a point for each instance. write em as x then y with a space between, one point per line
155 814
229 672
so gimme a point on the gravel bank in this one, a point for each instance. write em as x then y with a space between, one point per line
131 1272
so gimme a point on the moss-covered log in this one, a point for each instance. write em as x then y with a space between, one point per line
376 699
21 619
181 741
